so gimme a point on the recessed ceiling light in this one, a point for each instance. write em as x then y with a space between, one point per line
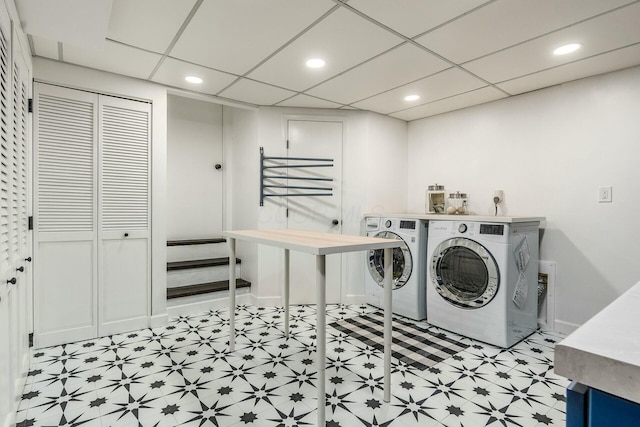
193 79
567 48
315 63
412 97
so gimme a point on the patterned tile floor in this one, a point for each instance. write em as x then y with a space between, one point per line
180 375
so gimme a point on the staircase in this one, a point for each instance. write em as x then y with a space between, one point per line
198 272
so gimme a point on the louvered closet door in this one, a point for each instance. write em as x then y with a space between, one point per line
17 294
65 283
5 153
125 270
6 397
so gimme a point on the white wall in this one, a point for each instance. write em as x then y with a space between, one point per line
194 186
374 175
549 151
112 84
241 198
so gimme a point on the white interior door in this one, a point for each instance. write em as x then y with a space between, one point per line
65 258
124 219
320 139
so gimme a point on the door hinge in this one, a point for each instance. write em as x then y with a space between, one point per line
287 144
30 223
287 212
30 105
31 340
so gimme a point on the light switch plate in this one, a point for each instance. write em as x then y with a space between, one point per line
604 194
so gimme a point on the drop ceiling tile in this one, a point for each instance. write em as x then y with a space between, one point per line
256 93
442 85
236 35
413 17
479 96
172 73
78 22
508 22
149 24
391 69
45 47
611 61
607 32
307 102
115 58
343 40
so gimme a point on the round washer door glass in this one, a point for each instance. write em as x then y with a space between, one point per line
464 273
402 262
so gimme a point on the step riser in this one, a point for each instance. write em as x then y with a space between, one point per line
193 276
186 253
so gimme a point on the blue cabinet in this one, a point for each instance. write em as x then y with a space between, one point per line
589 407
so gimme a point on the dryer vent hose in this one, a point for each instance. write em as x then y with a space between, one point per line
542 292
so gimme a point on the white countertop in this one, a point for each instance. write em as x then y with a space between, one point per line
604 353
445 217
312 242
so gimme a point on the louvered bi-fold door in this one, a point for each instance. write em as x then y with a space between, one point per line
65 283
125 270
6 397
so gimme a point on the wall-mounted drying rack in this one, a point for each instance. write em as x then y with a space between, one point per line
314 190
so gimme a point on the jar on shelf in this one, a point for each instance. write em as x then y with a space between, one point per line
435 199
457 203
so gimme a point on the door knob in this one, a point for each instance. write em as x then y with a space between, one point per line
12 281
20 269
218 166
28 259
335 222
126 234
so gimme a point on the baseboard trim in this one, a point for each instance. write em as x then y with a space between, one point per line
268 301
201 306
158 320
355 299
564 327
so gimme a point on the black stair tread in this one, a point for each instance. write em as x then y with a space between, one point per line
187 242
199 263
204 288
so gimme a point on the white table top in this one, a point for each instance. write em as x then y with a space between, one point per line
312 242
445 217
604 353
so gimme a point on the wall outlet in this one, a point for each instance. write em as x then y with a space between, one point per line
604 194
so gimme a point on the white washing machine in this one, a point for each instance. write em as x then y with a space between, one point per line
409 268
482 279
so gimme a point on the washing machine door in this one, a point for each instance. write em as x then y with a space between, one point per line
464 273
402 261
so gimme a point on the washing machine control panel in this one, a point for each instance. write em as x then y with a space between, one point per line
462 228
407 225
493 229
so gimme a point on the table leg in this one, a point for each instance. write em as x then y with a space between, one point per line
388 331
232 293
321 335
286 293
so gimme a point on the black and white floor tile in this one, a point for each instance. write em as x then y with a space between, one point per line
181 375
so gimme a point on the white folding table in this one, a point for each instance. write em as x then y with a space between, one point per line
320 245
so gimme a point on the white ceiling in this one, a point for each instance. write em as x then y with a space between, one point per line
453 54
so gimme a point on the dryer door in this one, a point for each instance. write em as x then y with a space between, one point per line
402 261
464 273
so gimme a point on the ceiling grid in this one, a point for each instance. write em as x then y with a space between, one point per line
451 54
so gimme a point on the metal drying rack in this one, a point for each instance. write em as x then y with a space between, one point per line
315 191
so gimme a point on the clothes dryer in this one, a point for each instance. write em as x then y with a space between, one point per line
409 268
482 279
